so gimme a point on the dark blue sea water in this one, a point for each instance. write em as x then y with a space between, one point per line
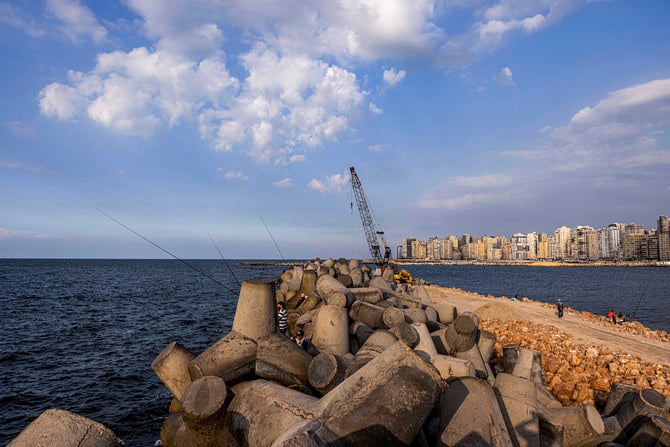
641 292
80 335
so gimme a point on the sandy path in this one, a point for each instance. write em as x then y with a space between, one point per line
583 332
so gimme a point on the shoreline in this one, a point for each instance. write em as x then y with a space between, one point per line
537 263
583 354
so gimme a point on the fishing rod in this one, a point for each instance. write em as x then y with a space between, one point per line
632 317
271 237
224 260
166 251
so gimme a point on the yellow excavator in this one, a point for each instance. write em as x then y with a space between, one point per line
403 276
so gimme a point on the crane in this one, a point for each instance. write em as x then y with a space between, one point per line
373 232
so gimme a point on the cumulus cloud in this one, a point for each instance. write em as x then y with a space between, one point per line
332 183
393 77
505 77
621 129
374 109
295 84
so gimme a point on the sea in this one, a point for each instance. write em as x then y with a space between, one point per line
80 334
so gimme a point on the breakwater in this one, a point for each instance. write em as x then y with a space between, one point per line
444 350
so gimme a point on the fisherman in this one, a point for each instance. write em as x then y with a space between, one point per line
559 308
305 344
282 318
612 316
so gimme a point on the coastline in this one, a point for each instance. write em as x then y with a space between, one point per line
536 263
583 354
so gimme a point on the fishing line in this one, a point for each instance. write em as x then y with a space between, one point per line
271 237
224 259
166 251
632 317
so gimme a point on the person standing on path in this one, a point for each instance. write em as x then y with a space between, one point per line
282 318
559 308
612 316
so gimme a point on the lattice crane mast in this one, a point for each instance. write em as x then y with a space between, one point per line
373 232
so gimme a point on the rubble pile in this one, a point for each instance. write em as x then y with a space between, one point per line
389 368
577 374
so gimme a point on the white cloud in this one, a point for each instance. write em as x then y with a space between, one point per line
7 233
239 175
19 166
505 77
374 109
295 85
284 183
377 148
468 200
392 77
78 21
333 183
13 16
627 114
482 181
316 185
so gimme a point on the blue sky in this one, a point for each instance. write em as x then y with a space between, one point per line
215 116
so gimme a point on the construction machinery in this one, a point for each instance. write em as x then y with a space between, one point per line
381 253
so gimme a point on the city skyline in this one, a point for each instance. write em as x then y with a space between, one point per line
229 118
616 241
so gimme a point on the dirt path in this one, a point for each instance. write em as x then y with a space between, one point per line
584 332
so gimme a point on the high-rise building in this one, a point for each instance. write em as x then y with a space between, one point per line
663 231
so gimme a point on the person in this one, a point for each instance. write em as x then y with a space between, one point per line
559 308
282 318
304 343
621 317
612 316
516 297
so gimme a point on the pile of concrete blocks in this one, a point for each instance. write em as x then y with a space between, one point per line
393 369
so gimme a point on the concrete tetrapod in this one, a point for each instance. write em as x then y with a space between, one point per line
470 415
448 366
375 344
262 410
517 398
326 371
60 428
204 410
171 366
331 329
333 292
370 295
385 403
255 315
646 402
649 431
232 358
278 358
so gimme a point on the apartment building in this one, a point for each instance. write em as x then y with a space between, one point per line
617 241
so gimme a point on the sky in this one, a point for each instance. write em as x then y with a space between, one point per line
226 128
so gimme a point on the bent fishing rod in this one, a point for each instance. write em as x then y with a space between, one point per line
632 317
169 253
271 237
